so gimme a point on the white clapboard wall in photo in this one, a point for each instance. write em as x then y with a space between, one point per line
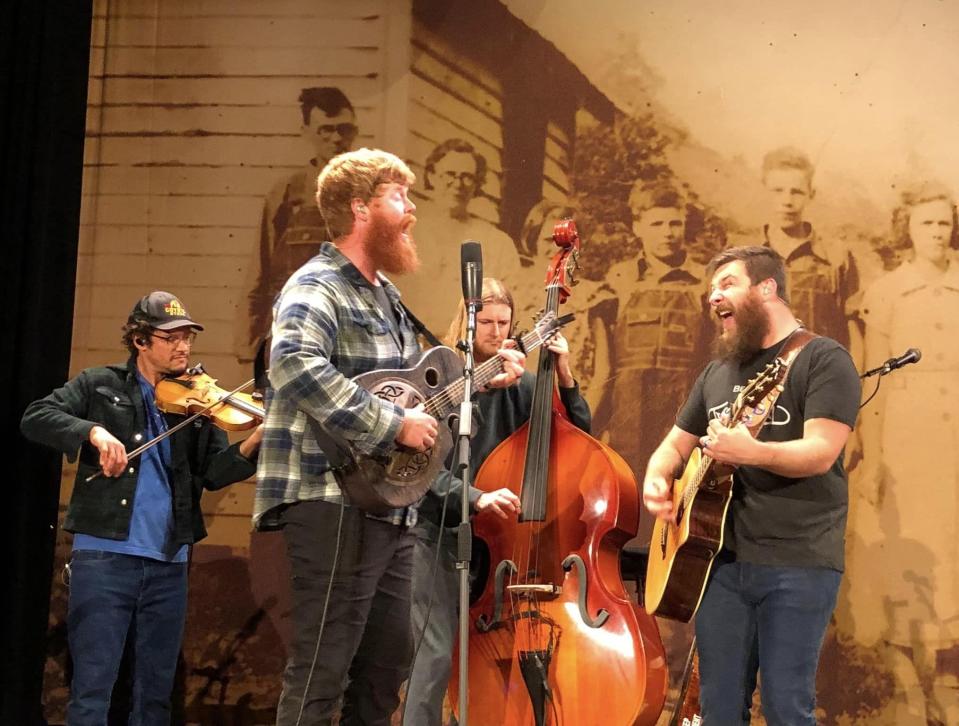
454 97
192 117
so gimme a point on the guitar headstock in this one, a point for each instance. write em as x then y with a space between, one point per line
546 328
565 262
759 388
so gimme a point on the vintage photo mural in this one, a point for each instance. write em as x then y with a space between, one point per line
668 131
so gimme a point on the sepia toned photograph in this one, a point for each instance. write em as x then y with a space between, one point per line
527 362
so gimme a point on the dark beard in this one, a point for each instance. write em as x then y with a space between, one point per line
387 250
752 326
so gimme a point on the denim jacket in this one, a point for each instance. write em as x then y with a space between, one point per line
110 396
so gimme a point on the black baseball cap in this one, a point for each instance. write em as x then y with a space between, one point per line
163 311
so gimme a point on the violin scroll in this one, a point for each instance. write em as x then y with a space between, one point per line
563 266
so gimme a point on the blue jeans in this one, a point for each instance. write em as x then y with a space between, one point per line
112 595
771 620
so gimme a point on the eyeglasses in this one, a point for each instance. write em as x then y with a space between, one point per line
346 130
175 340
462 177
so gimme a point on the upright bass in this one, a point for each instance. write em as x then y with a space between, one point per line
554 638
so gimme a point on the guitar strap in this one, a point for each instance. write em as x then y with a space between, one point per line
788 353
420 327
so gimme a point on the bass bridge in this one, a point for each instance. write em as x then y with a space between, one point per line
533 591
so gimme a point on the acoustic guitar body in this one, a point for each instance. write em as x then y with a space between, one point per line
681 554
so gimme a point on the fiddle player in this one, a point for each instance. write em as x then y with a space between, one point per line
134 524
498 414
773 586
339 316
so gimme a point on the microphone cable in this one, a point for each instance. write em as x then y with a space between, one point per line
326 603
873 394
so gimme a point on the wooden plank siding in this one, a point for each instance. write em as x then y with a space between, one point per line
480 74
192 117
453 97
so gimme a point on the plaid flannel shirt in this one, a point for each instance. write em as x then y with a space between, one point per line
327 328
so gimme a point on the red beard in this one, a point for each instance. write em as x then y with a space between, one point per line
387 249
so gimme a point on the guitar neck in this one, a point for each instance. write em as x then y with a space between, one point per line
704 470
450 397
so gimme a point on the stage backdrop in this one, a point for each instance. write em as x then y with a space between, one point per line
209 119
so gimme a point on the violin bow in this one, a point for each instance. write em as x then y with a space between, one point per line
169 432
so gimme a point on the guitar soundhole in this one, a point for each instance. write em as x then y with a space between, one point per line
432 377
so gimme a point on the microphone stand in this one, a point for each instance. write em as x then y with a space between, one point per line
464 533
893 364
883 370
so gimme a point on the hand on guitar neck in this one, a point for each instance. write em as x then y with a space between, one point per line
514 363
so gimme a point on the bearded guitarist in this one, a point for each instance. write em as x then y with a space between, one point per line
338 317
773 586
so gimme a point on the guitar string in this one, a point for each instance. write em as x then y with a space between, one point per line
739 406
453 393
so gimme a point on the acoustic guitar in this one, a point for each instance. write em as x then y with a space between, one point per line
681 553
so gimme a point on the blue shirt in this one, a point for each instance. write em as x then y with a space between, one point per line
151 524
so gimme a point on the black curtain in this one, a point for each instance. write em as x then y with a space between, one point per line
44 58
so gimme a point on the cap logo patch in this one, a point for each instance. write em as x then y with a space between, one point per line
174 309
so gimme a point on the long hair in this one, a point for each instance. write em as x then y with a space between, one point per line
494 292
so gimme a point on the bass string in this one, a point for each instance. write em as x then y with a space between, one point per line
538 447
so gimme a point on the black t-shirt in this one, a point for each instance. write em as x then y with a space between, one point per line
386 305
772 519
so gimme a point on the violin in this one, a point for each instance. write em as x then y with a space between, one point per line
196 392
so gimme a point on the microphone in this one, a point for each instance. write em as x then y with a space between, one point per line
910 356
471 262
